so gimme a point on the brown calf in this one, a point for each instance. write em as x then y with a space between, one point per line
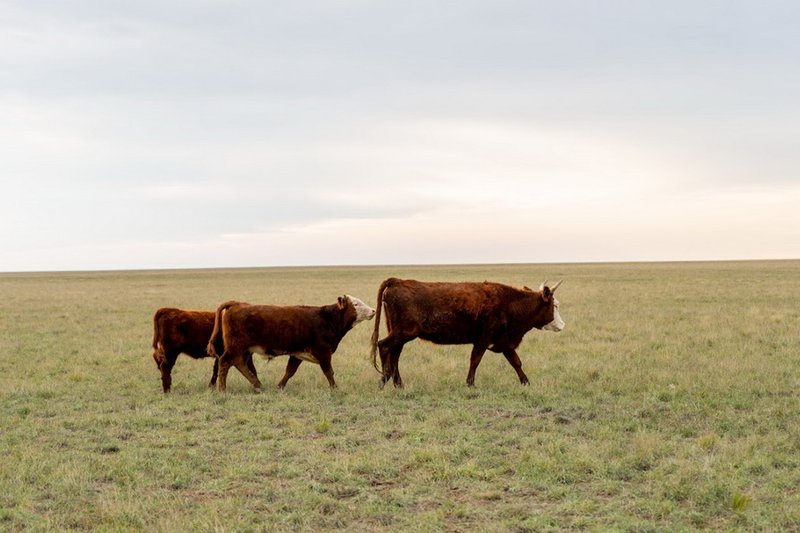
487 315
303 333
179 331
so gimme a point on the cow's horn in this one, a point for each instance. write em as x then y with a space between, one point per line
557 285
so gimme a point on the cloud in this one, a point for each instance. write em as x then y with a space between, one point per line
188 191
468 131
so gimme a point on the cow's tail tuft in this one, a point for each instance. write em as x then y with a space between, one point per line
217 331
377 326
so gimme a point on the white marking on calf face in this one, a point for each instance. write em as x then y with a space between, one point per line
557 324
363 311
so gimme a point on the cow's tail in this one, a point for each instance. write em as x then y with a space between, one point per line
216 333
377 327
158 348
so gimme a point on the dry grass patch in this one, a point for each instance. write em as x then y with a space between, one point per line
665 404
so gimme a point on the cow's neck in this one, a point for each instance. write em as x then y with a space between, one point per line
530 310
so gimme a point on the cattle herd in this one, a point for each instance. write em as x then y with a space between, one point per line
490 316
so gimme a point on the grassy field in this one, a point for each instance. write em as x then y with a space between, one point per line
669 402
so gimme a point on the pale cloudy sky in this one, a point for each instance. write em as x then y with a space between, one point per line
164 133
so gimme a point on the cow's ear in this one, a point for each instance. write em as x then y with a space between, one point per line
526 288
547 294
341 302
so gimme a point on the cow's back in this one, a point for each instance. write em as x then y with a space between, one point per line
444 313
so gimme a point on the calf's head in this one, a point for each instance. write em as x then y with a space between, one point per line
363 311
549 299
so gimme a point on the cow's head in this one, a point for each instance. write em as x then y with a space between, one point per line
363 311
549 299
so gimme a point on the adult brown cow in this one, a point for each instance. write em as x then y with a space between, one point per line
177 331
487 315
304 333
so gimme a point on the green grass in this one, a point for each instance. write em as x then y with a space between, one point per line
669 402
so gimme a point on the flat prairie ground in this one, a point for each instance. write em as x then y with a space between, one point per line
669 402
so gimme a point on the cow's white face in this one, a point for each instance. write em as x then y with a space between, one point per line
557 324
363 311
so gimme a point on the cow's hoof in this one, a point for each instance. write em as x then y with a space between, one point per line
257 390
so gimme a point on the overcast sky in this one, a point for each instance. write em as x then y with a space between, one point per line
163 133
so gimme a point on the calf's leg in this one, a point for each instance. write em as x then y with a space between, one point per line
165 366
229 359
223 366
324 359
251 365
243 367
291 368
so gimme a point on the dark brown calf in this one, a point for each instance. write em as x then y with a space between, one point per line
303 333
179 331
487 315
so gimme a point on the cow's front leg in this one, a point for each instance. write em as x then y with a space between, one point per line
391 347
513 360
474 360
291 368
325 364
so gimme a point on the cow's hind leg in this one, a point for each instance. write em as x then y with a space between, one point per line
397 381
474 360
243 367
513 360
391 347
386 372
224 362
251 365
291 368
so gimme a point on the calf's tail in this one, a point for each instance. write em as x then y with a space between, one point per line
216 333
377 326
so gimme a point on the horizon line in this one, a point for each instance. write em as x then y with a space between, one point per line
386 265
